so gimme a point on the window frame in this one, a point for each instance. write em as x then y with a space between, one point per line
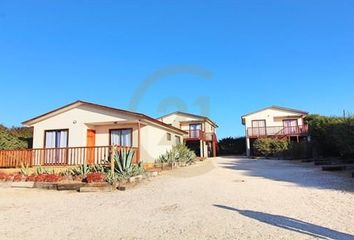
56 130
121 129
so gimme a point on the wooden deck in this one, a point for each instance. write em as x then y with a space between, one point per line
71 156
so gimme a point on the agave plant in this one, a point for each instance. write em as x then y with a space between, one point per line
122 160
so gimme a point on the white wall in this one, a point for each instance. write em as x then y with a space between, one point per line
75 120
273 117
154 142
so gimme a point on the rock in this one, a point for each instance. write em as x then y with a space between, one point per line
132 179
139 177
22 184
122 188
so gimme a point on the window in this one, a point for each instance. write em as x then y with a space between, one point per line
259 128
121 137
178 140
56 138
169 136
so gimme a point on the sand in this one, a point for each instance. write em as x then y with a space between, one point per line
221 198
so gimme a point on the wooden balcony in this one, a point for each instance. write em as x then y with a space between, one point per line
199 135
71 156
277 131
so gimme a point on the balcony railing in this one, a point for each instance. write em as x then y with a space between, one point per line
58 156
277 131
200 135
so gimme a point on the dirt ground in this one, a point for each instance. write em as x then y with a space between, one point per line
222 198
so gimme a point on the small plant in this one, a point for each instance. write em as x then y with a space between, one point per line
179 153
82 170
25 169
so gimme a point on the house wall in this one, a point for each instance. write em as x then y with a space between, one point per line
75 120
183 122
154 142
273 117
153 137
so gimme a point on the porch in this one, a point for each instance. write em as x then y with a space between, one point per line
70 156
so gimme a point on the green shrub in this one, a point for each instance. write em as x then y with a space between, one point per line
232 146
332 136
270 147
15 138
179 153
300 150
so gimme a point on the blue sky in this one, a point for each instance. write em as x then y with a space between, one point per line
224 58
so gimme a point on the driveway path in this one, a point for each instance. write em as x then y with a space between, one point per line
223 198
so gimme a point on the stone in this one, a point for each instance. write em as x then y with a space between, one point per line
22 185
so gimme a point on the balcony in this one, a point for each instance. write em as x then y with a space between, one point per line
277 131
199 135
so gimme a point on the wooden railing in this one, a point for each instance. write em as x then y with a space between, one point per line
58 156
277 131
199 135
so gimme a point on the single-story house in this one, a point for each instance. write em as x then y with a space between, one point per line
84 132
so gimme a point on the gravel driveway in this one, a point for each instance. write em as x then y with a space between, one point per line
222 198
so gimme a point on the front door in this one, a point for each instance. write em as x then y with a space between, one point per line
194 130
91 143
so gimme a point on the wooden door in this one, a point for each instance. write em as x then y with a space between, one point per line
91 143
290 126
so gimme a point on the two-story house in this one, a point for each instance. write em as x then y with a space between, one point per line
201 132
275 122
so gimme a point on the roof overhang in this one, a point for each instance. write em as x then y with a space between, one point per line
139 116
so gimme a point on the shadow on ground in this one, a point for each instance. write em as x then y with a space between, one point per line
281 170
291 224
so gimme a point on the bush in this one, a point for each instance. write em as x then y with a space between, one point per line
301 150
15 138
232 146
270 147
179 153
332 136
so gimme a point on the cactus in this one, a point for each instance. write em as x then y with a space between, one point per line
123 159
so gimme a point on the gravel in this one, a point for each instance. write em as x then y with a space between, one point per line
221 198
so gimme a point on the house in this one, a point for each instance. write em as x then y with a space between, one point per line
200 132
274 122
84 132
